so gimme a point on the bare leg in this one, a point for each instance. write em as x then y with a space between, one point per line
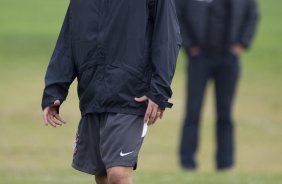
120 175
101 179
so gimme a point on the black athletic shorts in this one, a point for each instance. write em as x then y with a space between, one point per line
106 140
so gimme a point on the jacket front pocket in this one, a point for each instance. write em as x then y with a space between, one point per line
122 86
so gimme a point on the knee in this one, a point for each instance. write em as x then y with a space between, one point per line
101 179
193 113
224 120
119 175
192 118
224 115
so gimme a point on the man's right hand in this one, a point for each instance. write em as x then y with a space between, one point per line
153 111
51 115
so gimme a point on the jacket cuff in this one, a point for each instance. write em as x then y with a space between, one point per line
161 103
49 101
245 45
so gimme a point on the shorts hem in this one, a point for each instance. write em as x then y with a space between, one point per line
122 164
95 172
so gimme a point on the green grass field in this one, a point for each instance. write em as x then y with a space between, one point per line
30 153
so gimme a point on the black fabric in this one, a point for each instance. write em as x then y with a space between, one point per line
218 24
204 22
224 71
117 50
106 140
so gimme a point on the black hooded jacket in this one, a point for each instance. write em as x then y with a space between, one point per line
117 50
202 22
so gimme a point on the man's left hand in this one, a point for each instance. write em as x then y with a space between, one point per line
153 111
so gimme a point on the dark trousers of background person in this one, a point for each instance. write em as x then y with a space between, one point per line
224 70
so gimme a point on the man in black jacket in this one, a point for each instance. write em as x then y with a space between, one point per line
214 32
123 54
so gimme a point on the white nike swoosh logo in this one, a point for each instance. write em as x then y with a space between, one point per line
124 154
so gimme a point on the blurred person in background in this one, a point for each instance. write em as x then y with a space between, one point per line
123 54
215 33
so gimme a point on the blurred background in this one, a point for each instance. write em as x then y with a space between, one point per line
32 153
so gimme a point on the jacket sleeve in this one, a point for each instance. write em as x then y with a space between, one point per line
250 24
61 70
181 9
166 41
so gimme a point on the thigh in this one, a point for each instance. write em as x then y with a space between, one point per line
121 139
226 78
199 70
87 157
198 75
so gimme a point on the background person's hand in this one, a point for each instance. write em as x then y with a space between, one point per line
194 51
236 49
153 111
51 115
